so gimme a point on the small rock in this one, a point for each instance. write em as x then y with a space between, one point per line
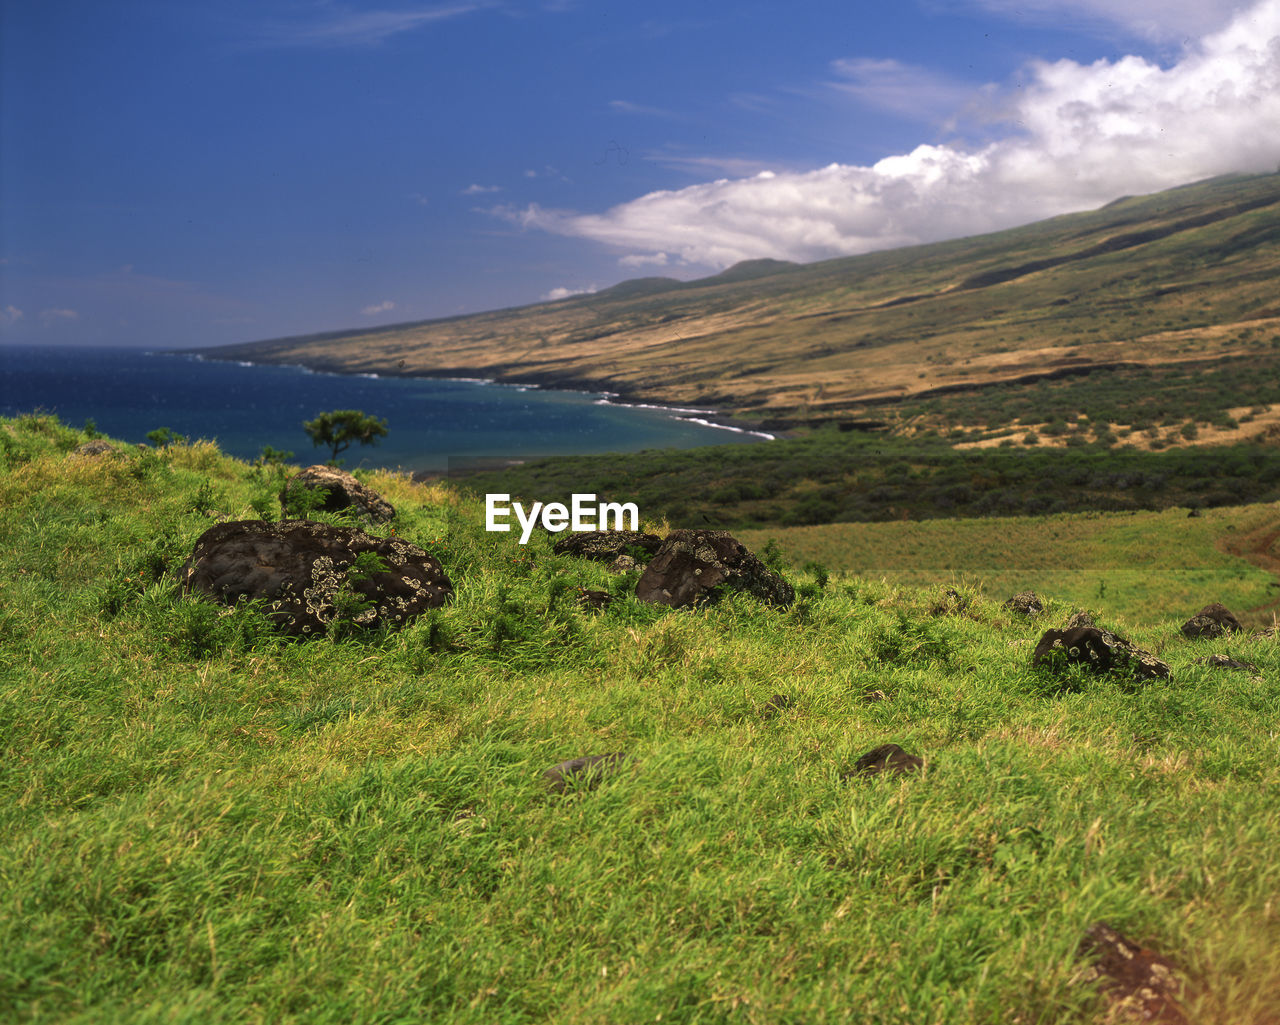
622 564
872 696
1226 662
887 758
96 447
1101 650
1026 603
606 545
1078 620
1211 621
594 600
777 703
1140 985
342 491
586 771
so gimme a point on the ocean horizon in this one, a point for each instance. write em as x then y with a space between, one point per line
432 423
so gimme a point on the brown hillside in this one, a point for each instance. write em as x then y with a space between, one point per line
1180 276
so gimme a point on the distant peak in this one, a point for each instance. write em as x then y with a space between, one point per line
638 286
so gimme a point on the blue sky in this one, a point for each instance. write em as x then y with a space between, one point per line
177 174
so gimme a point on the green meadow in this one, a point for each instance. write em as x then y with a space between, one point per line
1139 566
202 821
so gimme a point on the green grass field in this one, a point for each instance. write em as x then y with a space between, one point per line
1141 566
203 822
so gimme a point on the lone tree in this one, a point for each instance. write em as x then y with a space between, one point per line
340 427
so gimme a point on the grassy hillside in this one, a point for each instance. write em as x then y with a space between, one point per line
204 822
1169 280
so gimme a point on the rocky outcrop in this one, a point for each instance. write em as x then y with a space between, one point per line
607 545
341 491
308 576
1101 650
1211 621
694 567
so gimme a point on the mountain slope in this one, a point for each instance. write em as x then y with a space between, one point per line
1183 275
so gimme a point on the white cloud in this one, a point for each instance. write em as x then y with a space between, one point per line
627 107
1152 19
345 27
564 293
701 165
905 89
1079 135
48 317
547 172
383 307
10 315
480 190
644 260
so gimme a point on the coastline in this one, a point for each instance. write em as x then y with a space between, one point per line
603 396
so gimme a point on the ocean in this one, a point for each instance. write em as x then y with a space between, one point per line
431 424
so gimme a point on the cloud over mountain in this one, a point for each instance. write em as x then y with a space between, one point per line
1078 135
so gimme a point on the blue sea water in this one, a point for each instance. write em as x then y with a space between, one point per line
128 392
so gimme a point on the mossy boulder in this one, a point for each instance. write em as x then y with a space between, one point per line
694 567
307 574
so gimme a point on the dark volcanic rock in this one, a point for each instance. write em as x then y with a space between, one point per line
777 703
1079 619
606 545
887 758
342 491
298 567
1226 662
586 771
1140 985
1026 603
693 566
96 447
1101 650
594 600
1211 621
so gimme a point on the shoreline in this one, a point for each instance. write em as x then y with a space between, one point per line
603 396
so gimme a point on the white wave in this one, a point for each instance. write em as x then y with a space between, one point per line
727 427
